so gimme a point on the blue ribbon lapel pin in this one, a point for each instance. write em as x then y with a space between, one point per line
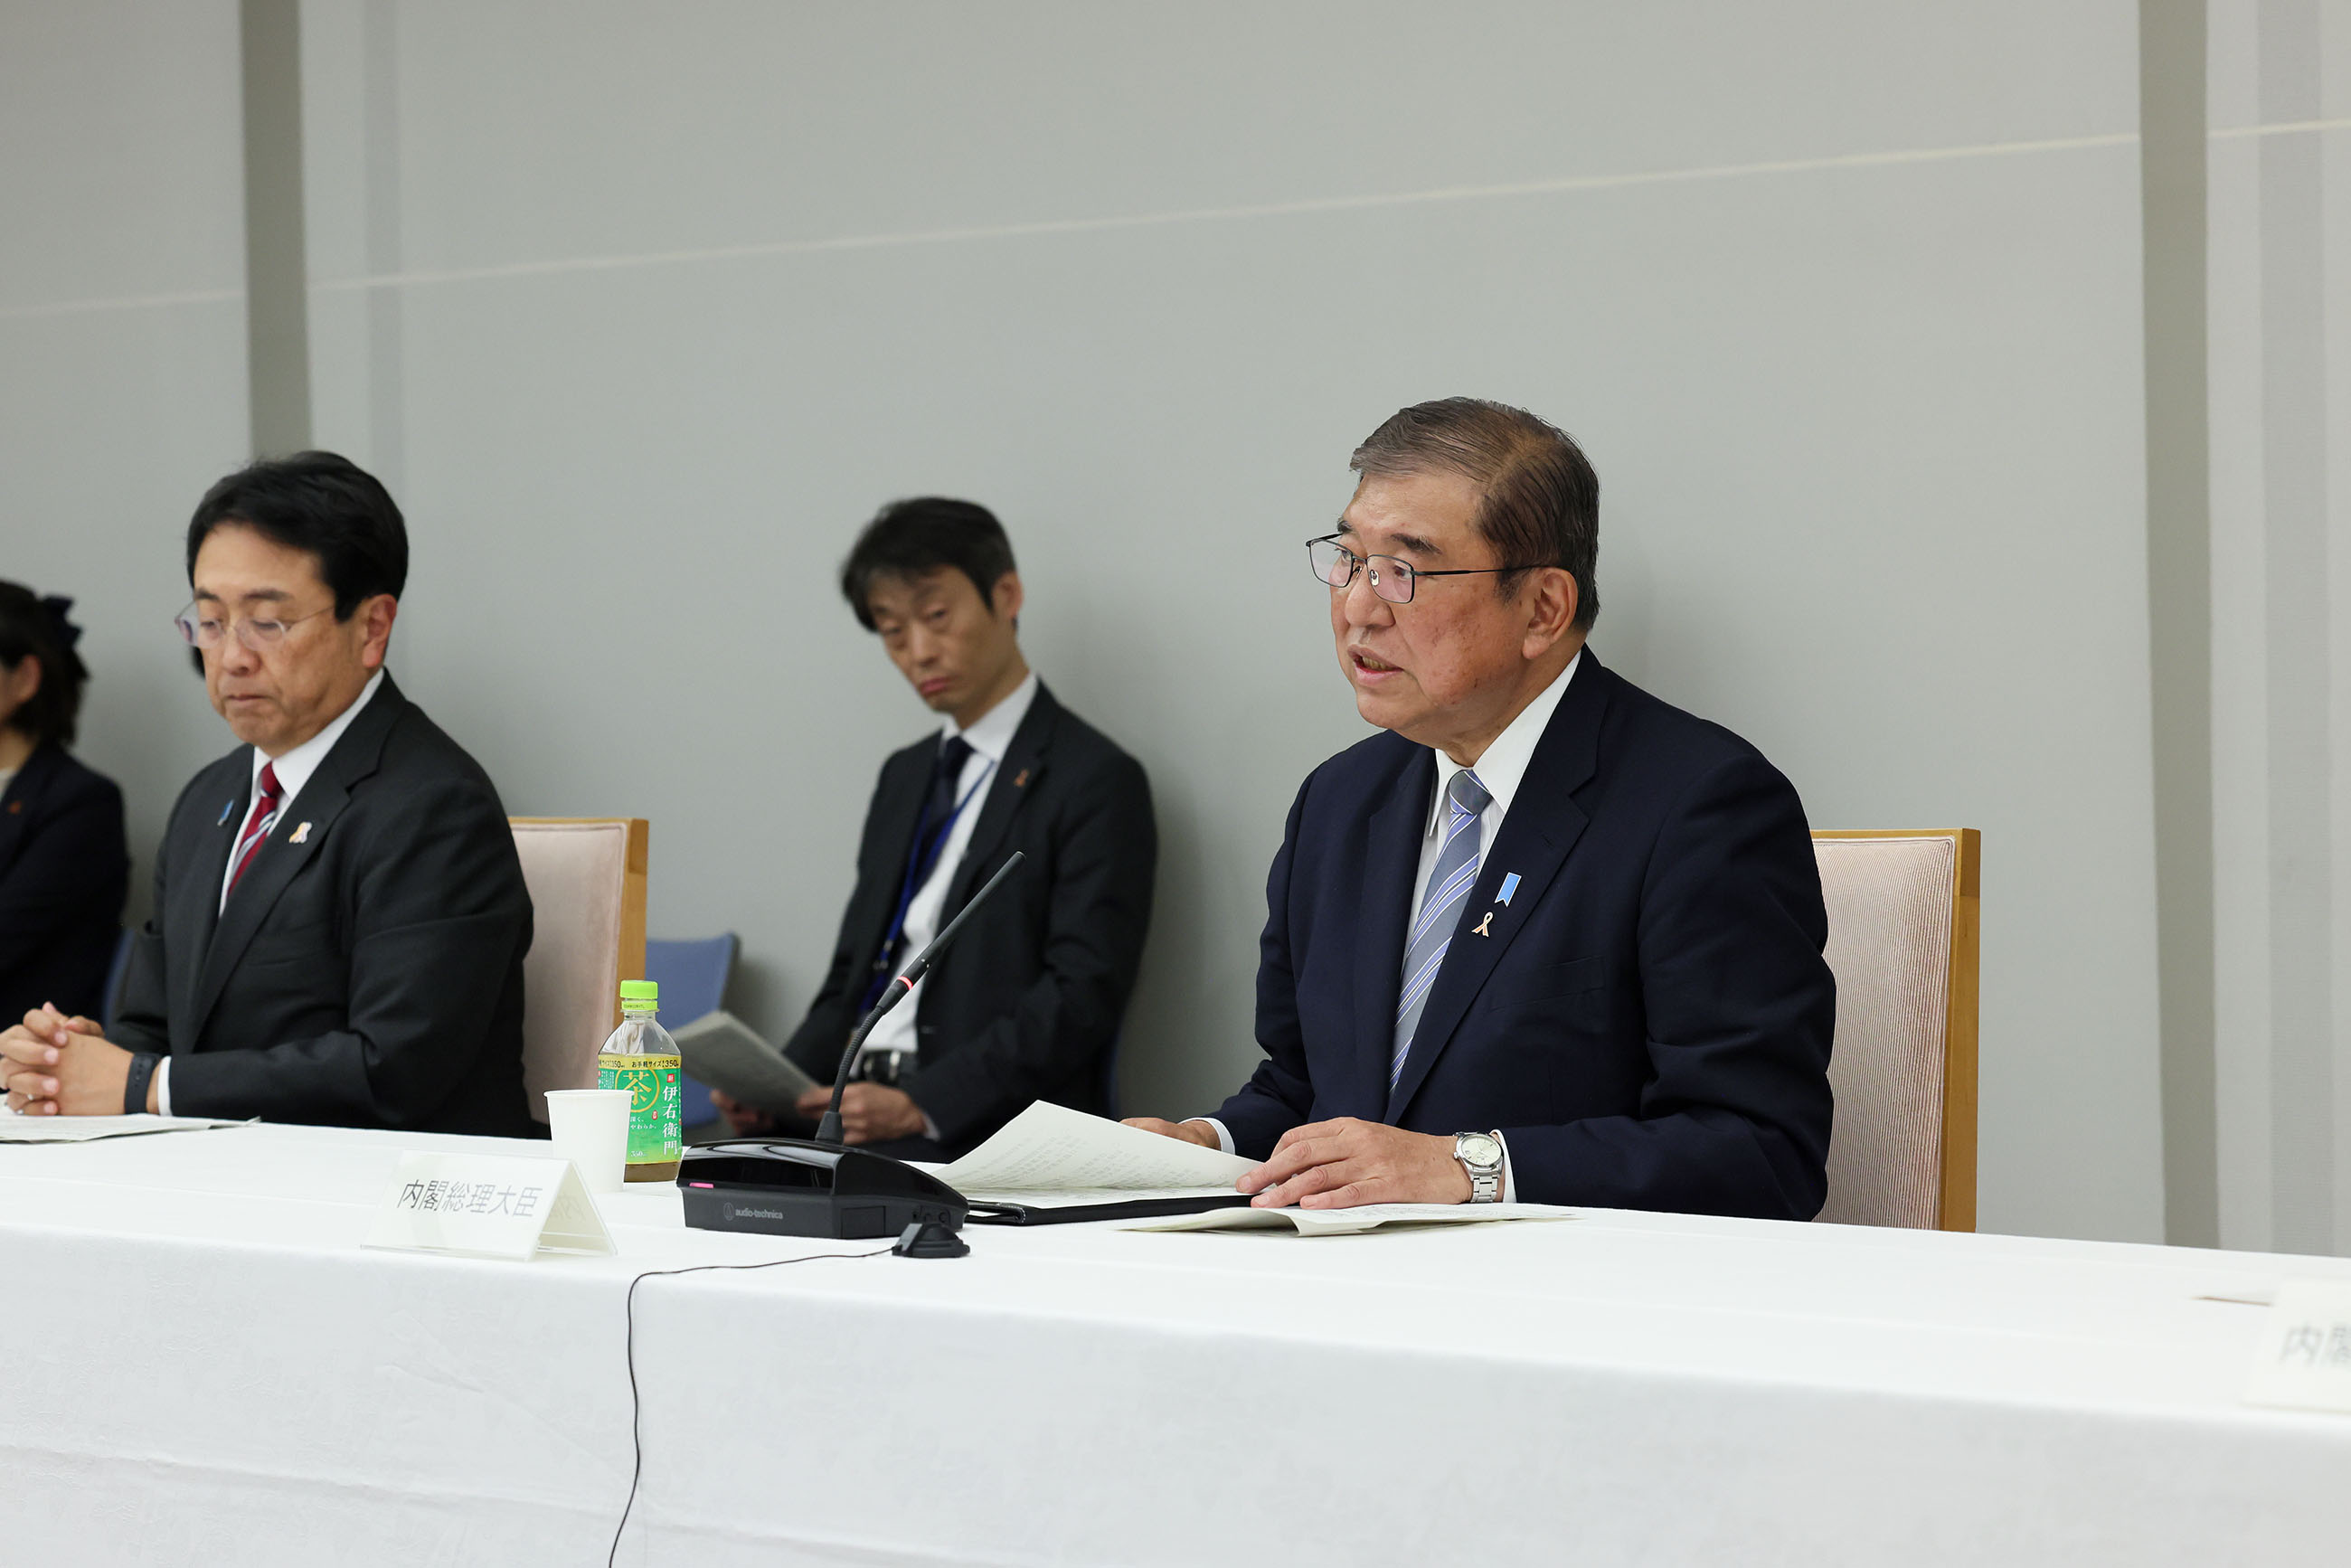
1510 886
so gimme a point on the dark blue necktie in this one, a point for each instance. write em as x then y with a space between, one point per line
938 811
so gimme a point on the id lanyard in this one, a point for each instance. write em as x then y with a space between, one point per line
920 863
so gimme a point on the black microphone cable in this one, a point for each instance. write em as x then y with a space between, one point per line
636 1404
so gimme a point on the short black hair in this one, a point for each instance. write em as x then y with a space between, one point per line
34 627
1541 505
912 537
321 503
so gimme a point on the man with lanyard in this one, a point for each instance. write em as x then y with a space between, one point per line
1027 1004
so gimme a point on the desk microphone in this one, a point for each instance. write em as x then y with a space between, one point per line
827 1131
820 1186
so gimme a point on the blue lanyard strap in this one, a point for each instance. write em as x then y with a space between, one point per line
922 858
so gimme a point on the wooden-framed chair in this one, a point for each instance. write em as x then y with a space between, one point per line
1905 916
587 879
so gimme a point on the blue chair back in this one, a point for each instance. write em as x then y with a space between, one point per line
693 978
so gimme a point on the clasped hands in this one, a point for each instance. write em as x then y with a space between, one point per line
1340 1163
55 1065
869 1112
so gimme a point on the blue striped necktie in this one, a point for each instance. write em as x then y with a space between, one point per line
1440 910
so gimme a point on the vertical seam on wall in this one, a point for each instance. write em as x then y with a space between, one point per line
387 357
276 281
2172 150
2291 236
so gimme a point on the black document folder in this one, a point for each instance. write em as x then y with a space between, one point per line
991 1211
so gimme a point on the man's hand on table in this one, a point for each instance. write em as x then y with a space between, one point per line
869 1112
1342 1164
55 1065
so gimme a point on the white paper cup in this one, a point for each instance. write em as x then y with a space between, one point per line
590 1127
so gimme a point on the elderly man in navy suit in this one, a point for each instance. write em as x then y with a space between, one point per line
1547 938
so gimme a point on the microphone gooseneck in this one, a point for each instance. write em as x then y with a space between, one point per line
827 1131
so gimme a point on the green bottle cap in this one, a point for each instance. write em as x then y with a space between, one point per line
640 991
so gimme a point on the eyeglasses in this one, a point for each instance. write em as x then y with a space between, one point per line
260 635
1391 579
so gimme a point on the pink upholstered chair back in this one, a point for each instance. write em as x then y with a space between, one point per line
587 879
1902 943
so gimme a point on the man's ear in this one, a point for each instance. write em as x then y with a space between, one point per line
377 615
1006 598
1551 604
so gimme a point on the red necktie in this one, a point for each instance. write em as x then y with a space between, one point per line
265 817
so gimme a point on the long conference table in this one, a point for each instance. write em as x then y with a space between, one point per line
205 1365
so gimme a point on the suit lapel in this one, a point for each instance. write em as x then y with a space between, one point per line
900 807
22 799
215 817
279 860
1391 860
1541 829
1013 785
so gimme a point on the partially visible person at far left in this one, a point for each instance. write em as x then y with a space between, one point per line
64 866
339 917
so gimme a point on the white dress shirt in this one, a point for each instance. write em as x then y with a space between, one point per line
294 771
1500 767
989 737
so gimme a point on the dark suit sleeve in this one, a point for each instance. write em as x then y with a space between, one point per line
72 867
1096 914
1740 1008
142 1020
439 915
816 1045
1280 1095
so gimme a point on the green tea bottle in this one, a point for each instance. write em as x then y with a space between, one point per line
641 1057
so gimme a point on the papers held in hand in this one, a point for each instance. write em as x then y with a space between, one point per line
720 1050
1050 1164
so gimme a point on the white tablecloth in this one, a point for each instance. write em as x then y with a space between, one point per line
204 1366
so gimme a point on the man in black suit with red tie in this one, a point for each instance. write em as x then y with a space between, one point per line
1548 938
1025 1005
339 917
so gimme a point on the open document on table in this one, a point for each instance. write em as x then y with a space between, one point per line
20 1129
1353 1221
1051 1164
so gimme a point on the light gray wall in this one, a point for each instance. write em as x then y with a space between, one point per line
642 309
2280 165
123 388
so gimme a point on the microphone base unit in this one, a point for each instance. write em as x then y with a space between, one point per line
792 1186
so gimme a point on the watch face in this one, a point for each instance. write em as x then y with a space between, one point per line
1477 1149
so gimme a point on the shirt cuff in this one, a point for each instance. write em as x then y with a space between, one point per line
1224 1133
1509 1188
930 1128
162 1081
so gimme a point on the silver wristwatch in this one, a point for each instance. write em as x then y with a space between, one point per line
1480 1154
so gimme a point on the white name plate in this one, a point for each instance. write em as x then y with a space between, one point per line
2303 1361
487 1206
